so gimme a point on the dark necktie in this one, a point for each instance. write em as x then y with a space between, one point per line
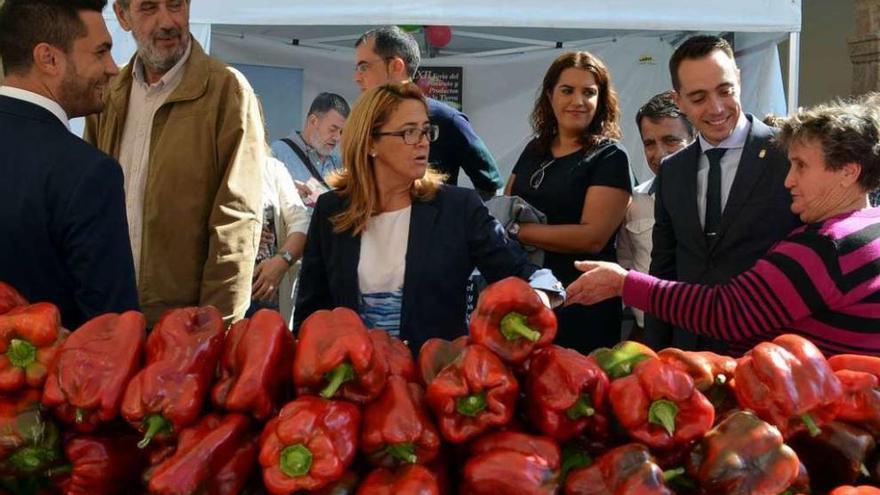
713 192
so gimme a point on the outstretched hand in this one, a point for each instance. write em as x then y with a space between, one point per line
600 281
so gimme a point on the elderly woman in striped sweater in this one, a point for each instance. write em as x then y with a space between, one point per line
822 281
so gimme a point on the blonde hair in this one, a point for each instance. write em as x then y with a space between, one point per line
357 180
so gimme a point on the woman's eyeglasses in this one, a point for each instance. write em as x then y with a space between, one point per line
538 176
413 135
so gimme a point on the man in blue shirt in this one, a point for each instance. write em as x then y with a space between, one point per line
310 155
390 55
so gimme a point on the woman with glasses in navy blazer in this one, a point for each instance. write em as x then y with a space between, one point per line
394 243
575 172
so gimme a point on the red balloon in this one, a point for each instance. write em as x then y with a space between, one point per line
438 36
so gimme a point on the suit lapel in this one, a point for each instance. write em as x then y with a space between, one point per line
421 226
752 165
691 212
348 259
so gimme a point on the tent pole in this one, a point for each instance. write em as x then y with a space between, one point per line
794 60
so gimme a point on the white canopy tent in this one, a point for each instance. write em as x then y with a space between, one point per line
504 49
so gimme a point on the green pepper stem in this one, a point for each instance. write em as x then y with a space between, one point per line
720 379
471 405
295 460
811 424
155 424
79 416
514 326
573 458
671 474
663 412
583 407
405 452
336 377
21 353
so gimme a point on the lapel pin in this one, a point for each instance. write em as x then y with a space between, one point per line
762 153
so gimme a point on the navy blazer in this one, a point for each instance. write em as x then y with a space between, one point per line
62 211
756 216
448 236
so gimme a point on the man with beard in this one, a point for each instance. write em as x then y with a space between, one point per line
187 130
310 155
62 206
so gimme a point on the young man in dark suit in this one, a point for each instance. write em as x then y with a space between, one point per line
62 206
721 202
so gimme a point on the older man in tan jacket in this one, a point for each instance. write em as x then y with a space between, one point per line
187 131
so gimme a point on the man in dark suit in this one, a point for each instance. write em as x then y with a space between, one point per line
62 206
721 202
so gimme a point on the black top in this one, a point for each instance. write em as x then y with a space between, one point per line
562 192
62 208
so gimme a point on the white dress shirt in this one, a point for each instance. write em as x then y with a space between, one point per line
37 99
134 149
734 145
634 240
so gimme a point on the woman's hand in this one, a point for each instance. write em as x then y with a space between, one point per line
267 278
601 280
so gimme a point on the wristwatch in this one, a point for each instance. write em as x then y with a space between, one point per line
287 256
513 231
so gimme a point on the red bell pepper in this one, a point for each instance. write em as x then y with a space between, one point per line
712 374
410 480
336 358
659 406
397 427
203 451
93 367
855 490
474 393
566 393
743 455
625 470
347 485
397 354
10 298
309 445
511 320
29 341
101 465
255 367
182 353
860 377
510 462
619 361
30 442
788 383
836 456
437 354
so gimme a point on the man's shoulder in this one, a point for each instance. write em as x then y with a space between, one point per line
440 111
644 187
681 158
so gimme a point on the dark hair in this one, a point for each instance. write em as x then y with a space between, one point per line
848 131
391 41
694 48
662 106
325 102
26 23
605 122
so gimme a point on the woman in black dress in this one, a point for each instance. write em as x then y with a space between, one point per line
575 172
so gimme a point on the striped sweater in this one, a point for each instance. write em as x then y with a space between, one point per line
822 281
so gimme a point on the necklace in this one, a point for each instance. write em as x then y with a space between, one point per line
538 176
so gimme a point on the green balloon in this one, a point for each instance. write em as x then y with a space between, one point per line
409 28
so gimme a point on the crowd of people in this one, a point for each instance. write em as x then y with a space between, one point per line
175 198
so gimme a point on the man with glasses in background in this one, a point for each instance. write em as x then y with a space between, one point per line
389 54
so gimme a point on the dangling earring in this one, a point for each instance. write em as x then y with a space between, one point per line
373 154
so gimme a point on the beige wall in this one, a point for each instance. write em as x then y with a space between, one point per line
825 71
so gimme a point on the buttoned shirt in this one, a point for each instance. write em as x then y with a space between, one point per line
734 145
297 169
37 99
134 149
634 239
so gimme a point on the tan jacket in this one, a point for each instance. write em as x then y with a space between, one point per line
202 203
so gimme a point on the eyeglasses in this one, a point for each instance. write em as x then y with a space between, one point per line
538 176
413 135
365 66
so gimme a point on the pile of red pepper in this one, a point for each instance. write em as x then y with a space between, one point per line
192 407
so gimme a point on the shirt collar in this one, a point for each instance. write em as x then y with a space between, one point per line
37 99
737 138
174 74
